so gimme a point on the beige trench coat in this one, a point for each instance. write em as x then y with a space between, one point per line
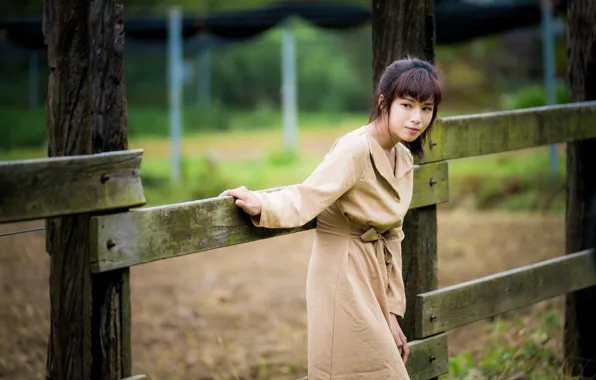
354 276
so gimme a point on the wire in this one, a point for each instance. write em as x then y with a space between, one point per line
22 231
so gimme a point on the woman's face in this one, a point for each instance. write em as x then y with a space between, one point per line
408 117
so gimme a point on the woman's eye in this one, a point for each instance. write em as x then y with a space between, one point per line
428 108
405 105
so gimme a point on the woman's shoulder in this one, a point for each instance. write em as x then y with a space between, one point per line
355 141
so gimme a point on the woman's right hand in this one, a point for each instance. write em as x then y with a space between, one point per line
245 199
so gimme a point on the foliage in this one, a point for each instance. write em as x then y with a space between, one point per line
517 180
534 96
515 351
333 74
204 176
201 178
22 129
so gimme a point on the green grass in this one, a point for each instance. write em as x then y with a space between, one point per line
516 350
201 178
22 128
517 180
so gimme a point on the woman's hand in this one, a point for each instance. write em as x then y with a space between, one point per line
399 338
245 199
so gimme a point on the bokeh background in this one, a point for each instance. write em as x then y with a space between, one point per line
239 312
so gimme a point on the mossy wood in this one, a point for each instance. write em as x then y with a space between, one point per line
472 301
473 135
428 358
60 186
145 235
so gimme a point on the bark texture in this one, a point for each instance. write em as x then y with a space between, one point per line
580 329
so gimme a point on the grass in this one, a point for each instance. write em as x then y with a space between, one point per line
518 180
214 161
514 181
516 350
25 128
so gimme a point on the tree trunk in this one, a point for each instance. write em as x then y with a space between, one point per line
580 330
86 113
401 29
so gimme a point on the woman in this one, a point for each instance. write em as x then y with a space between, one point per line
359 194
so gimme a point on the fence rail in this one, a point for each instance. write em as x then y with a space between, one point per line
155 233
444 309
473 135
60 186
429 357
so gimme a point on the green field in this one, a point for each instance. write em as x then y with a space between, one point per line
215 161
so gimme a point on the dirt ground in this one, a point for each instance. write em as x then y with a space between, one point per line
239 312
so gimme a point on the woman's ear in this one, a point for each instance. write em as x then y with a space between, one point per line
381 103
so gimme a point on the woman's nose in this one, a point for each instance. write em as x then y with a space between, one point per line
415 116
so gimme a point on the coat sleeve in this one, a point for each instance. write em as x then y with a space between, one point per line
396 295
298 204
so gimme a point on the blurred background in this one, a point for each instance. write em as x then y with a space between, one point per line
228 93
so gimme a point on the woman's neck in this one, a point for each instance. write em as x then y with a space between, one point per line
380 132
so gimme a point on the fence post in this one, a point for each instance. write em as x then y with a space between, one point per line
580 330
90 315
67 238
402 28
111 323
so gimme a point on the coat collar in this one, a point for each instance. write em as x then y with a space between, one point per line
381 162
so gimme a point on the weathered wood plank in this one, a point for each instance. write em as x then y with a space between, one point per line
472 135
471 301
145 235
59 186
428 358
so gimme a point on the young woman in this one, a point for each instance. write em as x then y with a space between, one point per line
359 194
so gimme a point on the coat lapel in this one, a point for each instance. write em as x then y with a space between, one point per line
381 163
404 162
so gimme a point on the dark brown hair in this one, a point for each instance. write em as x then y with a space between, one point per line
408 77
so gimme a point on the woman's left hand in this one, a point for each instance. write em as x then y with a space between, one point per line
245 199
399 338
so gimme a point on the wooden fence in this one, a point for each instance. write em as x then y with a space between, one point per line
103 184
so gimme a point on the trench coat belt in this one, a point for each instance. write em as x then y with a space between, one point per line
382 250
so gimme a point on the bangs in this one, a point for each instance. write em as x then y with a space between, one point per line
418 84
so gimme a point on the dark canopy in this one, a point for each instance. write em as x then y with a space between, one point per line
456 21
